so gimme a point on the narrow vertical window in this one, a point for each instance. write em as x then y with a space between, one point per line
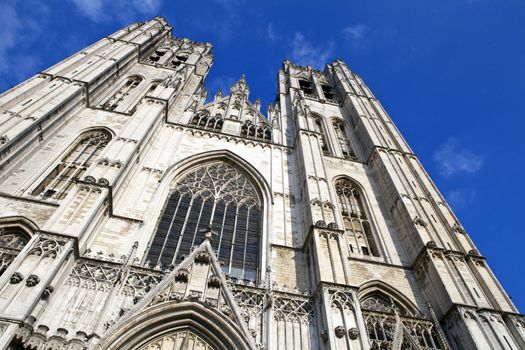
343 140
357 226
328 92
217 195
114 101
307 87
83 153
318 127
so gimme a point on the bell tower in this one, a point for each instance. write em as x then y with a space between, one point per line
136 212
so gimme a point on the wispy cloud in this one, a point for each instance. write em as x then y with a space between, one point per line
270 32
460 198
452 159
306 53
223 83
116 10
17 32
356 31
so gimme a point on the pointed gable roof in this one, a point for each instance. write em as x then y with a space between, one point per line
197 280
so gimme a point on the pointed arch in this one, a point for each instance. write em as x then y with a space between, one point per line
218 331
190 210
15 234
319 126
382 290
341 131
77 158
356 217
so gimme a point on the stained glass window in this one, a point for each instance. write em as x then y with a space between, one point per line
215 195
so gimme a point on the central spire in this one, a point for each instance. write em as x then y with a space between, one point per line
240 87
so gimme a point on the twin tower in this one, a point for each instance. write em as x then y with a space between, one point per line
136 213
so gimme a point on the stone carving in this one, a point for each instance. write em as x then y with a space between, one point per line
431 244
214 281
48 246
339 331
182 275
173 81
474 252
32 280
420 222
353 333
104 182
293 308
47 292
320 223
202 258
16 278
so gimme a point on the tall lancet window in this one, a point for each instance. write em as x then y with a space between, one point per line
318 127
82 154
344 141
358 230
114 101
218 195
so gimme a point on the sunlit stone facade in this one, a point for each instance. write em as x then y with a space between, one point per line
136 213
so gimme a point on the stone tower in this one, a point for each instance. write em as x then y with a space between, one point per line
134 214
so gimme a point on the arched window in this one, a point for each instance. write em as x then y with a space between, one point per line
71 168
179 59
157 54
12 240
178 340
385 321
114 101
328 92
344 141
260 131
217 195
357 227
203 120
307 87
318 127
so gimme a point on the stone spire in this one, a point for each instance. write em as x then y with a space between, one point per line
240 87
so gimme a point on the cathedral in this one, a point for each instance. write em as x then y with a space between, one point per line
137 212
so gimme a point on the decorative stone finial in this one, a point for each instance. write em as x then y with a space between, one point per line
208 234
240 87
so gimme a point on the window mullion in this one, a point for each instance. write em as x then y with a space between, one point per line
234 234
169 228
190 206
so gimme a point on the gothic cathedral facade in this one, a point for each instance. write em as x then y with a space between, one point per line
136 213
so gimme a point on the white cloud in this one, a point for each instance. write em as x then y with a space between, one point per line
93 9
356 31
460 198
223 83
270 32
123 11
452 159
305 53
17 32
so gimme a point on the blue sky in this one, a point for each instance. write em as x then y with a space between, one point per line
450 73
